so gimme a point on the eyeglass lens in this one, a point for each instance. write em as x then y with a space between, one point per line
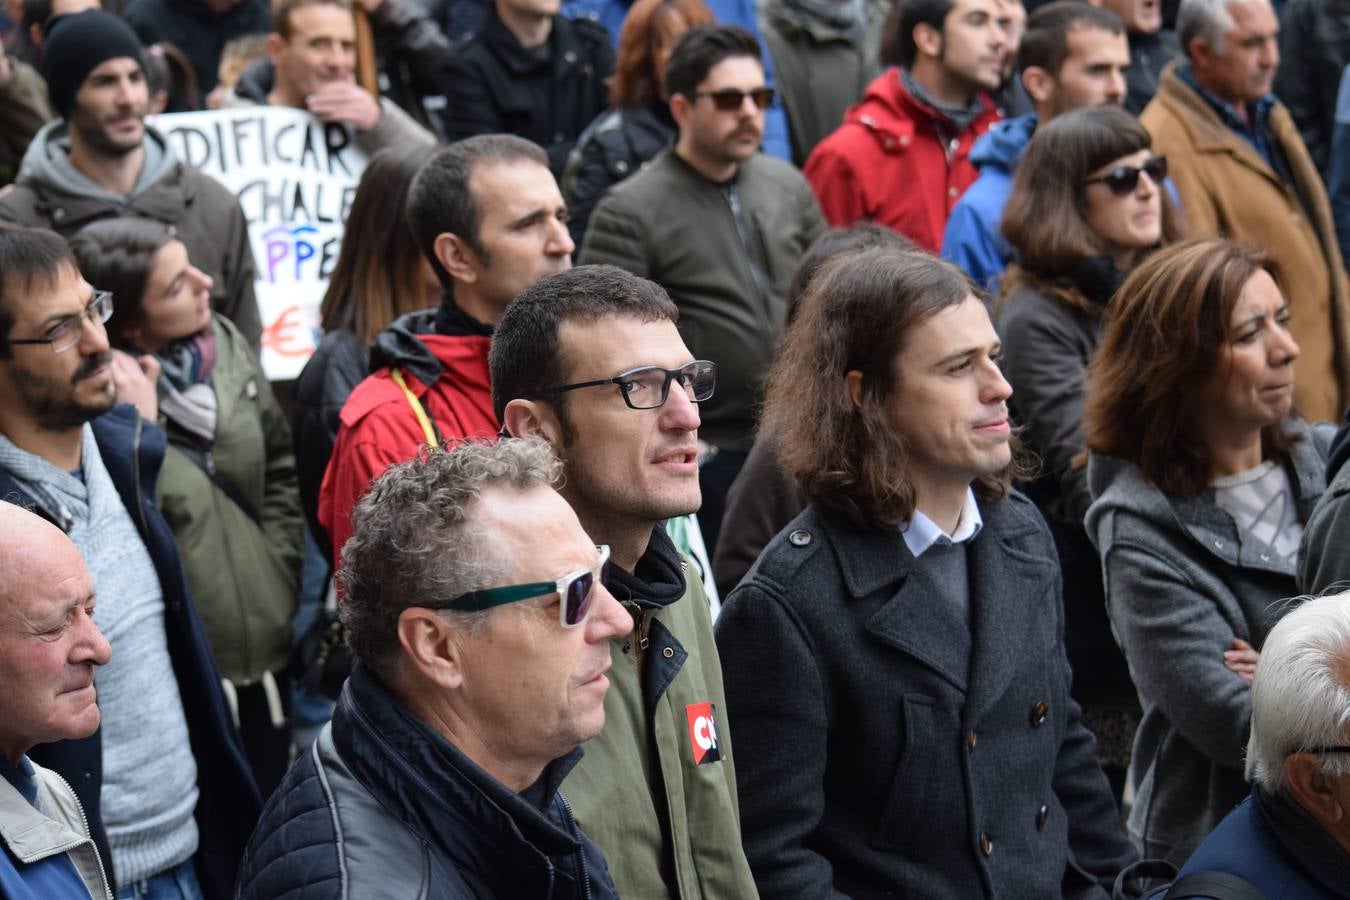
67 334
578 601
650 388
731 99
1125 180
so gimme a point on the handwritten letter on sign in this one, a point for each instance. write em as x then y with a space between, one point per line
295 178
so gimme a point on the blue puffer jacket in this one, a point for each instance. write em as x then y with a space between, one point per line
228 801
972 239
382 807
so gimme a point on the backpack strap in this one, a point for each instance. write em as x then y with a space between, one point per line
429 430
1213 886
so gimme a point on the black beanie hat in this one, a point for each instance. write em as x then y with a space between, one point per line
79 44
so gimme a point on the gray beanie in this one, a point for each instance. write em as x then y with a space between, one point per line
79 44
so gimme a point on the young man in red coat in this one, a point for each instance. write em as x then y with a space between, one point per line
901 158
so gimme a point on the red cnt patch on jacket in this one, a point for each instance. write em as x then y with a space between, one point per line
703 732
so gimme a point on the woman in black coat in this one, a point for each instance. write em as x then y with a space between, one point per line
1088 203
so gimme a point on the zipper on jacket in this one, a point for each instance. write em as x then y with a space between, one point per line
641 639
581 851
89 835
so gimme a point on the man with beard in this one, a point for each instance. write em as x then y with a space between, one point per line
490 221
902 156
591 361
721 228
100 159
165 774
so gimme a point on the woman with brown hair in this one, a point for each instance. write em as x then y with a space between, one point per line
380 275
1088 202
1203 478
637 125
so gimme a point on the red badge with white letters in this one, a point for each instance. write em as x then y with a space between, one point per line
703 732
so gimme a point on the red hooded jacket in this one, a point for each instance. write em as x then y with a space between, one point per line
888 163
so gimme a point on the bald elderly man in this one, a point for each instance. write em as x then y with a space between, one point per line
49 646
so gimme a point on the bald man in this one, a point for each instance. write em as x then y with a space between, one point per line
49 646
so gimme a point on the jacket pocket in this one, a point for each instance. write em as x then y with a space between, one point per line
906 801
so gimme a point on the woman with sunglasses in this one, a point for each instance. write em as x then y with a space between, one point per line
1203 479
1087 204
228 486
637 126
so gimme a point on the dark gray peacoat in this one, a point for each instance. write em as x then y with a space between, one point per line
886 748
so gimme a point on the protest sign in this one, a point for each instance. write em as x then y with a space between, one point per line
295 178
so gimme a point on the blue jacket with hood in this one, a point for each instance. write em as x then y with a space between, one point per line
972 239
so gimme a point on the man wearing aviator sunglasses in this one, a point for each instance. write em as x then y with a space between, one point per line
474 605
591 361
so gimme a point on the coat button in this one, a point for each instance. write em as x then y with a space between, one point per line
1042 816
621 167
970 741
570 57
668 652
1038 714
799 538
986 845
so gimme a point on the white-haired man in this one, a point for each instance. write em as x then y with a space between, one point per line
1291 837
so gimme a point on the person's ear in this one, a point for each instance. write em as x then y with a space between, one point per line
679 110
853 382
1040 85
927 39
1201 54
430 646
275 45
456 257
532 418
1314 790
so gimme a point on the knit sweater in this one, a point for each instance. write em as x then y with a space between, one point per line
149 788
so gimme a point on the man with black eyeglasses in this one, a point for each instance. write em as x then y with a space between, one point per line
474 606
164 780
721 227
591 361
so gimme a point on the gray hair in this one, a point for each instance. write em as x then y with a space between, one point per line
1208 20
1301 692
414 540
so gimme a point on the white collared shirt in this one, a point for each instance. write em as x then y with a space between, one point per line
921 532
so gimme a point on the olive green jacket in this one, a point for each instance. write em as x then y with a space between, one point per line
642 766
243 574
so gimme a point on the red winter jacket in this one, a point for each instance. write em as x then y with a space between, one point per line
379 427
887 163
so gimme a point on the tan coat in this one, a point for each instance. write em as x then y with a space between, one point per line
1227 188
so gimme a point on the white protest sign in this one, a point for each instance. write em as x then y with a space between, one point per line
295 178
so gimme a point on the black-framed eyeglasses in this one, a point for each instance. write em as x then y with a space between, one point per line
67 332
576 590
648 387
731 99
1122 180
1325 750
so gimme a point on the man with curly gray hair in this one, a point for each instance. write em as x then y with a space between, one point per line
1291 837
475 609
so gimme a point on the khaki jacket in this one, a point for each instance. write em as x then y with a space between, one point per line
642 770
1227 188
58 827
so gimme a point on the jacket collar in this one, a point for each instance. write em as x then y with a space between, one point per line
1007 564
1320 858
658 578
30 835
562 42
433 788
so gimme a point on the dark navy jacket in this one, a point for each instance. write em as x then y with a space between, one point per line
381 806
228 801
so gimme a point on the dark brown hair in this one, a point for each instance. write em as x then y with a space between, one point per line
282 10
31 259
648 24
378 276
118 255
1164 335
1045 220
857 313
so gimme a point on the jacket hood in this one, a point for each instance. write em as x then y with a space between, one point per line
404 344
256 81
658 578
887 108
1003 144
822 20
46 166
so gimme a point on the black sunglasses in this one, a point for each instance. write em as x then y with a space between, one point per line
576 590
648 387
730 99
1122 180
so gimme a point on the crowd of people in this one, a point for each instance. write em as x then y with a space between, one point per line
813 448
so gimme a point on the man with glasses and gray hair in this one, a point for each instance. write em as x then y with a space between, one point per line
473 605
591 361
164 776
1291 837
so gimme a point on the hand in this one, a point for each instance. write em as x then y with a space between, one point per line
1241 660
134 380
343 101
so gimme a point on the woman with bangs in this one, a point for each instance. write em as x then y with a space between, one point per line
638 124
1203 478
1088 203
